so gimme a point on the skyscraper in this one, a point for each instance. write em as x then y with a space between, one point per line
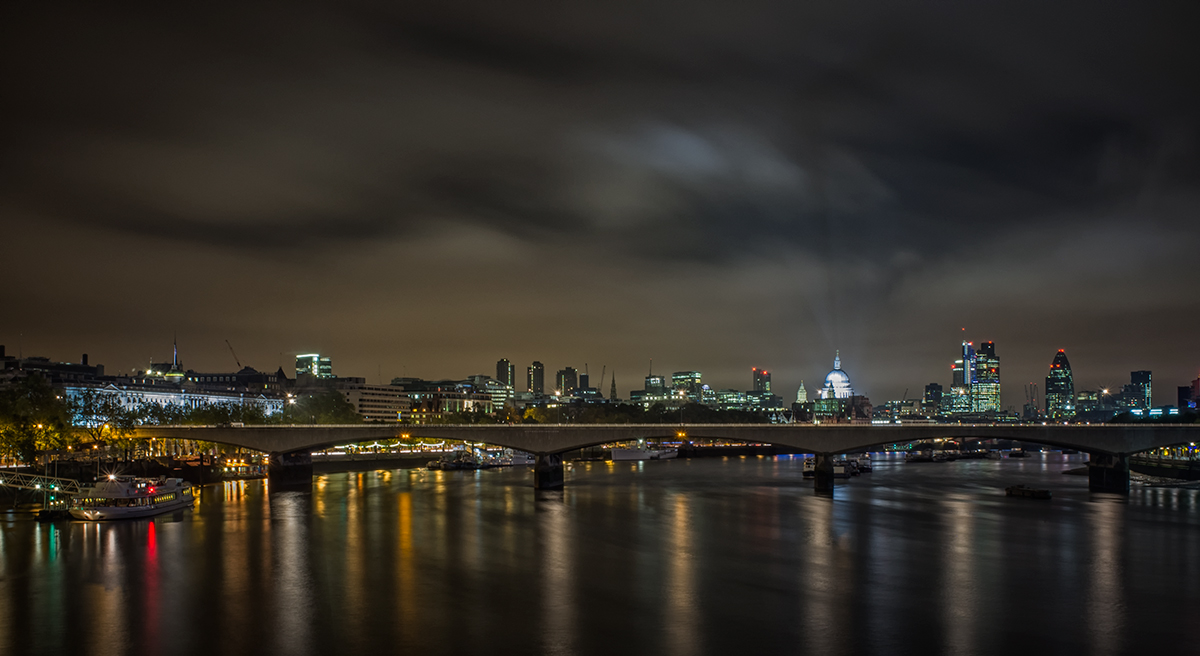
985 391
962 386
1060 388
566 380
506 373
762 380
1138 393
932 400
536 378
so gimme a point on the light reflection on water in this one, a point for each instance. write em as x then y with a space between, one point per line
679 557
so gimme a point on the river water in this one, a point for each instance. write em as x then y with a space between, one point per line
702 556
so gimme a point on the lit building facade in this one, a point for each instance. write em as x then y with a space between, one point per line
535 378
506 373
1138 394
386 403
688 384
985 389
1060 388
566 380
932 401
501 394
433 400
960 401
762 380
655 385
315 365
136 396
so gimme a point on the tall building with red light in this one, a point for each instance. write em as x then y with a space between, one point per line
762 380
1060 388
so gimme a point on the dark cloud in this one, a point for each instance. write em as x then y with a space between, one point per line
872 148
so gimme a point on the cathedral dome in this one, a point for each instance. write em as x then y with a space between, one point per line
837 382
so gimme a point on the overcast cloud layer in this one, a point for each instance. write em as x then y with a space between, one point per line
421 192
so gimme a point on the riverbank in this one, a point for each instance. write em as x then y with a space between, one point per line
1183 470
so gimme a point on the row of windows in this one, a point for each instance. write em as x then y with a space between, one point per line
125 503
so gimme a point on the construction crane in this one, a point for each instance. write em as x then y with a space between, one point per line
235 357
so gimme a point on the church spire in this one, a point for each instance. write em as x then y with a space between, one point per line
612 395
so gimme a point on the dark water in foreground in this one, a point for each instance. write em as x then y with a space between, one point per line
685 557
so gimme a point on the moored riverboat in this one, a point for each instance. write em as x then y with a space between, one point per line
127 497
861 462
455 461
921 455
840 469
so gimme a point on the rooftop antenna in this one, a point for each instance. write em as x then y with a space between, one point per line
651 366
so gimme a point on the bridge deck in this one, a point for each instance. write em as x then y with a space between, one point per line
1111 439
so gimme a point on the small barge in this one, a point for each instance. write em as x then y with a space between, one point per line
1024 491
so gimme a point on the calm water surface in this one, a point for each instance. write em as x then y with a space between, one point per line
716 556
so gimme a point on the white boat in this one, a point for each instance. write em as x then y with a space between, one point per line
126 497
522 458
644 454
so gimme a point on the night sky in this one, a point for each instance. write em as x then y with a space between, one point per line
421 192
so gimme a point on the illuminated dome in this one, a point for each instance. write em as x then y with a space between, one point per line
837 383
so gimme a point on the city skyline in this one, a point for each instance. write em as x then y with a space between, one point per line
1163 394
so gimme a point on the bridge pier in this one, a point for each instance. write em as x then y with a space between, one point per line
548 471
823 474
1108 473
290 471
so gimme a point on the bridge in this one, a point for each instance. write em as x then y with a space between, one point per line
290 447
